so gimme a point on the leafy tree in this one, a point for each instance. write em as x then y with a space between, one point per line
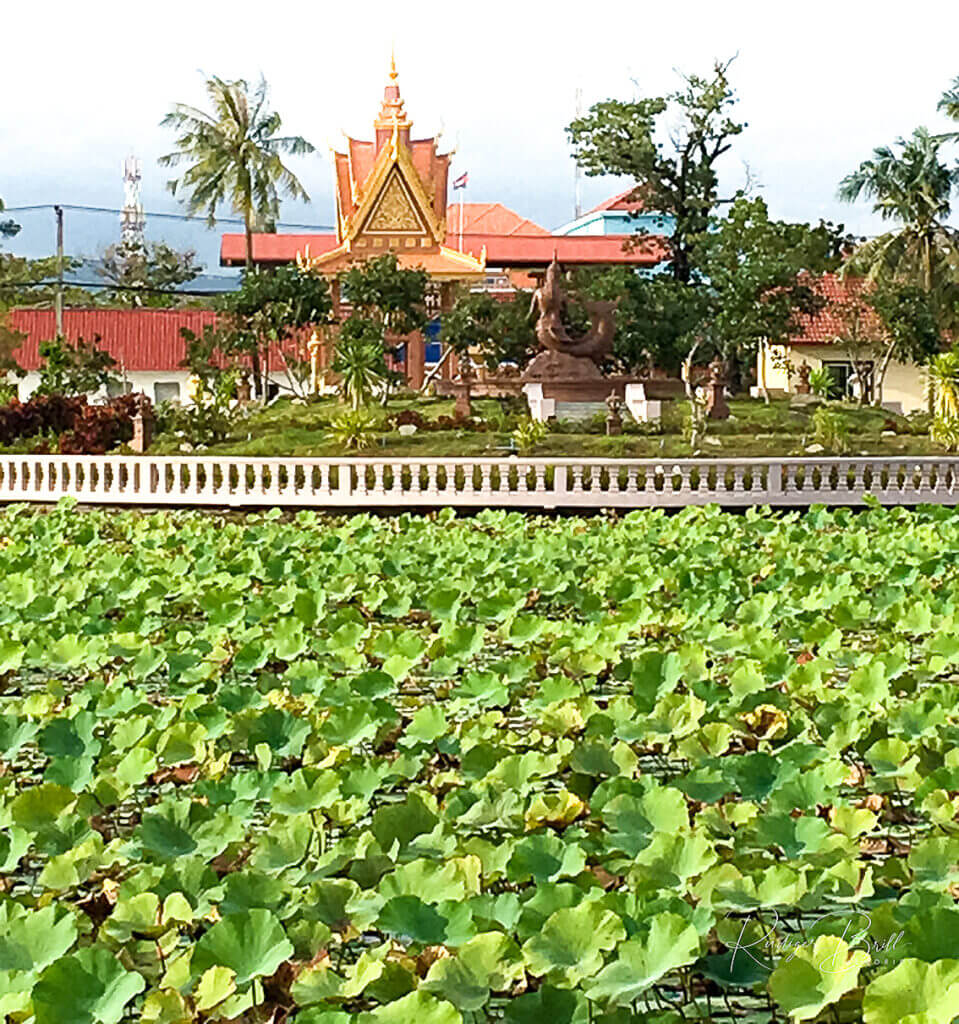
234 155
8 228
73 369
274 308
143 272
392 296
754 284
501 330
32 282
757 279
911 185
385 300
678 176
910 320
656 318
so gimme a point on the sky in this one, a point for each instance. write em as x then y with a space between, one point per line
819 84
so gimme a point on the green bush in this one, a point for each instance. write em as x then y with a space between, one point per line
830 429
356 428
529 434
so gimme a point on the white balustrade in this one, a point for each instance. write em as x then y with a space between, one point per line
508 482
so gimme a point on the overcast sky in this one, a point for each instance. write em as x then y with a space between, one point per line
819 83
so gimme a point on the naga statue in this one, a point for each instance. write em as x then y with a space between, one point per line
549 300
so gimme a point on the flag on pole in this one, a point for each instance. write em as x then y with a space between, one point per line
461 181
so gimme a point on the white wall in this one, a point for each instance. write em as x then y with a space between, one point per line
145 381
903 389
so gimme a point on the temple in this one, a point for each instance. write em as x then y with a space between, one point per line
392 195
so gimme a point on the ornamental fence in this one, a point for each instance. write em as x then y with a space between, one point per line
513 482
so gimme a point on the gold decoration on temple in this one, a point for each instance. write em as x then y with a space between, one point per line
307 263
394 211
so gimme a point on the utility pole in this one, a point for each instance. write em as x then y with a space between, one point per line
58 210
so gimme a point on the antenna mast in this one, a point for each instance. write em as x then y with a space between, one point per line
132 218
578 173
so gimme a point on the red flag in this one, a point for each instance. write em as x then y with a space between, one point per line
461 181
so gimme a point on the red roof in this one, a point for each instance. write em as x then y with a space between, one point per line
620 202
830 323
501 250
138 339
488 219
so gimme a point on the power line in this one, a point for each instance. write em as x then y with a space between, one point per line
160 216
109 286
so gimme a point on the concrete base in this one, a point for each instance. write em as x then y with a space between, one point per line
541 408
642 408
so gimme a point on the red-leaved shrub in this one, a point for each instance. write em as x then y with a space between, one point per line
83 429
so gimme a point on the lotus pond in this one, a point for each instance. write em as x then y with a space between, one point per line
449 771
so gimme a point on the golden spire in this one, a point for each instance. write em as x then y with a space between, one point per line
392 111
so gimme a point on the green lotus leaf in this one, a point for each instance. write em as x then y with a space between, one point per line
166 1006
87 987
418 1006
914 988
671 942
402 822
41 805
737 968
411 920
305 790
571 944
555 1005
251 943
935 861
69 737
215 985
489 962
544 857
32 939
811 979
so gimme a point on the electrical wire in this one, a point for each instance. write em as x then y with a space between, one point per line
161 216
108 286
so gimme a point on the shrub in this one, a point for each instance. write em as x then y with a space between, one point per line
355 429
81 428
830 430
529 433
822 383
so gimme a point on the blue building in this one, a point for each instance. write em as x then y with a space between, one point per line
619 216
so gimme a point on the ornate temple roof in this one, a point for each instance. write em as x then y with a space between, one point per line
391 197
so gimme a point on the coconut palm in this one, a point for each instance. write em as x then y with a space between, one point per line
909 184
234 155
949 105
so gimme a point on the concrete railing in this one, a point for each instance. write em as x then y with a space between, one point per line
463 482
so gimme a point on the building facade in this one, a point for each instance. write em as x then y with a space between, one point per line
845 332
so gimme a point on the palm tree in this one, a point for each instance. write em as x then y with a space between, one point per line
234 155
914 187
359 361
949 105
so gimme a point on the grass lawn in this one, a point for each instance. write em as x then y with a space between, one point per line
755 428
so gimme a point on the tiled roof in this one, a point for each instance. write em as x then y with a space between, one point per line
829 324
619 202
501 250
488 219
138 339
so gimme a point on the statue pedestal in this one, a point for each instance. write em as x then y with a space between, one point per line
571 388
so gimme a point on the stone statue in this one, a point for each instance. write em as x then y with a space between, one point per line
549 300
